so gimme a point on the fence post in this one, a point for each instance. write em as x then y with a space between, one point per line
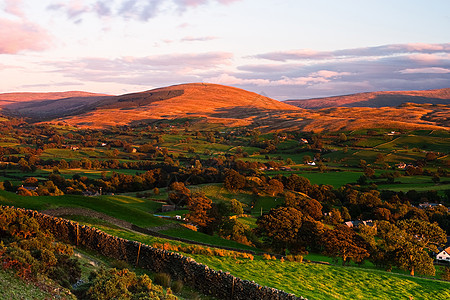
139 251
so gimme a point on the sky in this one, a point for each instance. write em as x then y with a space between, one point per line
284 49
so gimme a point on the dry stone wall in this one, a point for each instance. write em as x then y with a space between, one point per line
211 282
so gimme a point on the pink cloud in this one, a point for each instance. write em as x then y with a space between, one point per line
329 74
378 51
14 7
227 79
227 1
314 78
198 39
194 3
432 70
295 55
422 47
428 58
17 36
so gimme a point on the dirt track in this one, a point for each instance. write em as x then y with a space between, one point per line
69 211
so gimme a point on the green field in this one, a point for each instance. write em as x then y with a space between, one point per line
429 143
121 207
316 281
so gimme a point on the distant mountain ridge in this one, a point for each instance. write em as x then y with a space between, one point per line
218 105
376 99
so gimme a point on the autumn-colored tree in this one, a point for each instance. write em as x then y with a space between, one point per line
274 187
179 194
345 214
382 213
280 227
30 181
236 207
430 156
24 165
63 164
234 181
344 243
306 205
297 183
369 172
342 137
446 274
49 189
233 230
334 217
310 234
24 192
199 206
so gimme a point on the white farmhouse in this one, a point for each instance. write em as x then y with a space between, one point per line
444 255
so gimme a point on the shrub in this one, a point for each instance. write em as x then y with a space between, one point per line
124 284
296 258
177 286
30 251
267 256
119 264
189 226
163 279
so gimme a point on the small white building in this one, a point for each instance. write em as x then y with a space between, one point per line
444 255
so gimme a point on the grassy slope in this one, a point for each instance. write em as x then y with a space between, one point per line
118 207
12 287
316 281
313 281
126 208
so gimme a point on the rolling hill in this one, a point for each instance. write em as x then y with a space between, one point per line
10 98
216 103
229 106
376 99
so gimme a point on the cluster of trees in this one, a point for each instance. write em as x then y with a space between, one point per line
212 217
298 226
403 235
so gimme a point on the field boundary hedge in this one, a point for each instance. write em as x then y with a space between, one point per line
219 284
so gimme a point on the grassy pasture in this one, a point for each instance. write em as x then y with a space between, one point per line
126 208
370 142
315 281
13 287
429 143
310 280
